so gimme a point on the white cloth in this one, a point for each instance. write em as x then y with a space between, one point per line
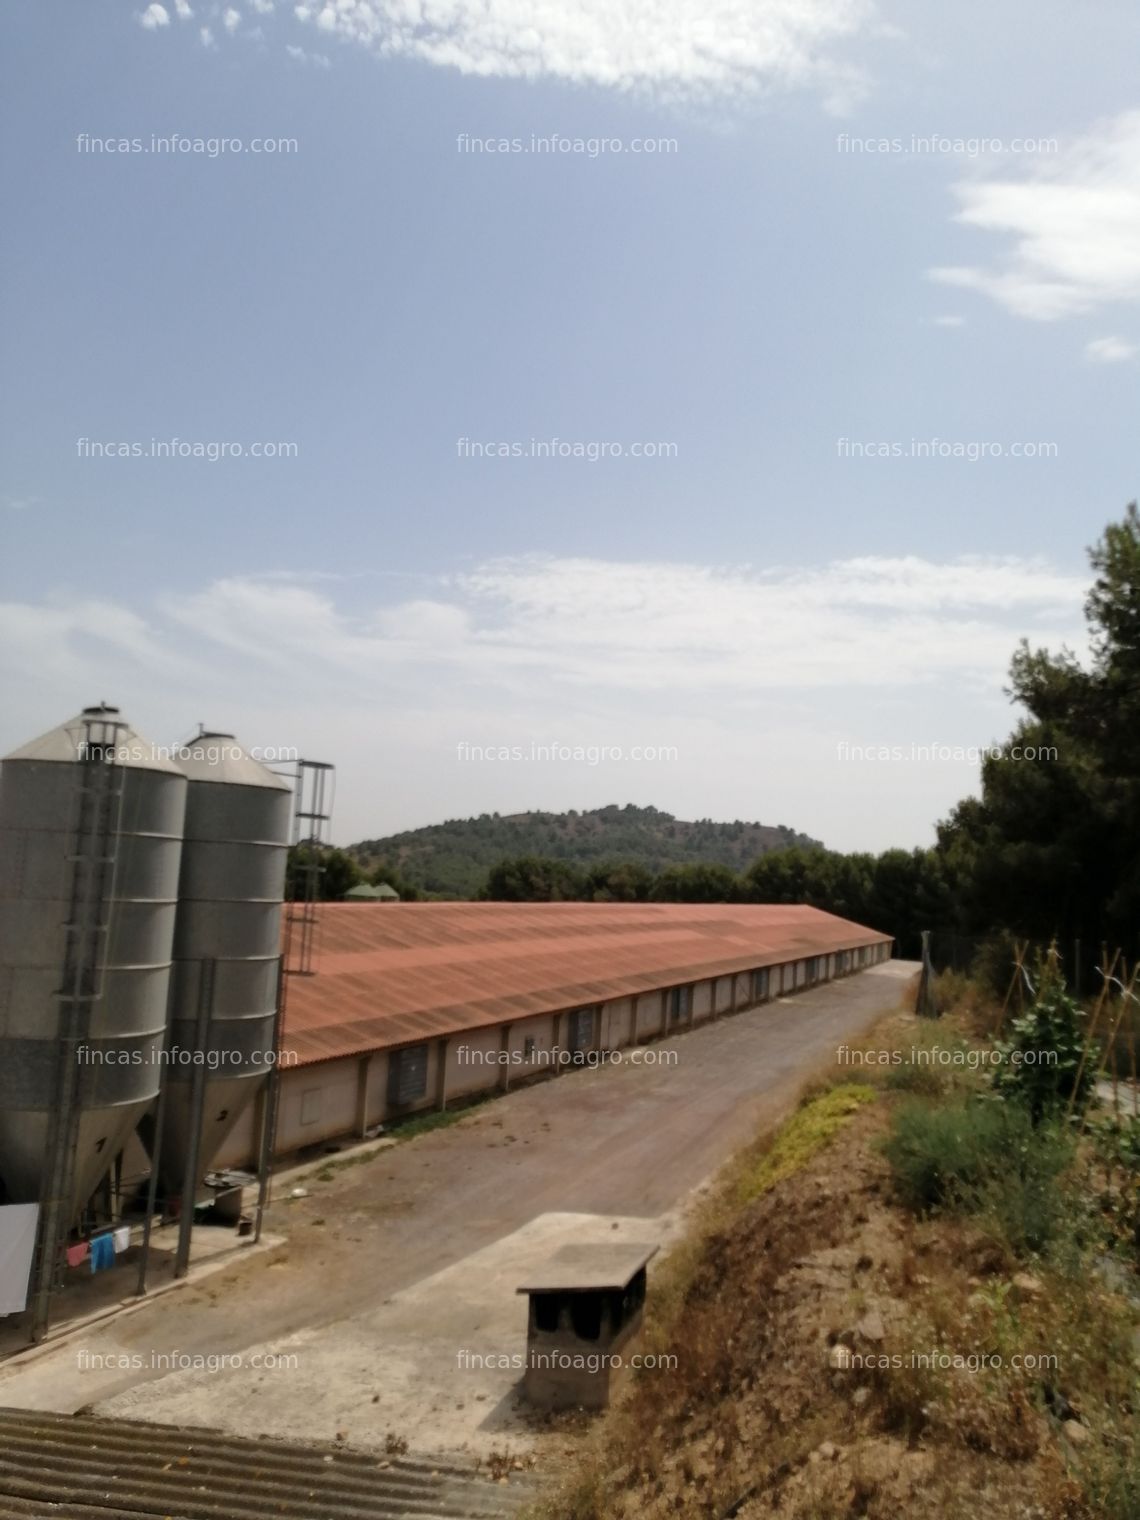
18 1225
121 1240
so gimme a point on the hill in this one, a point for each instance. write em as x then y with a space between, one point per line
452 859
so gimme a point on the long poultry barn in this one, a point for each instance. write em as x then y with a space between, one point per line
415 1006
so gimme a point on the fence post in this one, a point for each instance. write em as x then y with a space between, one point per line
924 1003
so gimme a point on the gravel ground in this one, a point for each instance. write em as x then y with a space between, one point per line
394 1268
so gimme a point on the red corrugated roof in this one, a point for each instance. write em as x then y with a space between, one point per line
390 974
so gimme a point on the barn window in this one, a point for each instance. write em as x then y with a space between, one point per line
580 1034
680 1002
407 1075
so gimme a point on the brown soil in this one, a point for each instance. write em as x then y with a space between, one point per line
757 1420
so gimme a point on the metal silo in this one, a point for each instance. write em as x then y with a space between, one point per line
227 949
90 845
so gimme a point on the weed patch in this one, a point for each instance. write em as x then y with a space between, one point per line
806 1132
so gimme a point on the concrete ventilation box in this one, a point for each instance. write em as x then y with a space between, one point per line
586 1314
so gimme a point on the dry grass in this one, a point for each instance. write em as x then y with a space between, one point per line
802 1247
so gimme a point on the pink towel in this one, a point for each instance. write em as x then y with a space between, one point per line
77 1255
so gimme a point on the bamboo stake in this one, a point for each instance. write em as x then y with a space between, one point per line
1021 979
1125 1000
1093 1022
1019 953
1112 1047
1005 1004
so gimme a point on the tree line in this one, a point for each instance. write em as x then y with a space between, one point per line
900 892
1050 847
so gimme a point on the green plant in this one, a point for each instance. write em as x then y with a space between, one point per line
806 1132
1117 1143
1041 1060
432 1119
1111 1482
934 1150
982 1158
1024 1203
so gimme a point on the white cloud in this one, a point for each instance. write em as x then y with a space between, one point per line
683 48
183 9
755 674
1075 223
231 19
318 60
867 621
49 639
1109 350
207 37
154 16
262 7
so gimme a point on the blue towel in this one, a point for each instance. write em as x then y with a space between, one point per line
102 1253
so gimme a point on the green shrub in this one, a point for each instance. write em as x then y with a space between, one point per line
1041 1056
934 1150
1024 1205
981 1158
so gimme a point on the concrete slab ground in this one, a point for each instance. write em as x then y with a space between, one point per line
86 1298
395 1266
444 1356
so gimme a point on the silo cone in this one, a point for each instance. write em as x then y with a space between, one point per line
88 814
227 947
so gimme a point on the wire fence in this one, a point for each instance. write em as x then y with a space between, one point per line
993 958
1008 967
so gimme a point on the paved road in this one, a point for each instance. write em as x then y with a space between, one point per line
424 1239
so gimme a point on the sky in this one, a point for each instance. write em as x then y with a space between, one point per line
552 403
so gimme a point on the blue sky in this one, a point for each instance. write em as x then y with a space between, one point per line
744 300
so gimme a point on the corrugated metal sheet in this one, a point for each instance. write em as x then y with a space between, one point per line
421 970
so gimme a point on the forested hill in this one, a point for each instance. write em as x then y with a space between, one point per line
453 858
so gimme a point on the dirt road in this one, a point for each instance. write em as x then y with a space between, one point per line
397 1267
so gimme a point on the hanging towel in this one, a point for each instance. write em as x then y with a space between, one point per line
122 1239
102 1253
77 1255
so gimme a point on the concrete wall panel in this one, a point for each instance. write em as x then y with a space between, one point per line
473 1062
648 1014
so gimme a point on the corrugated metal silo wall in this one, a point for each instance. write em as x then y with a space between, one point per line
230 897
120 1069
